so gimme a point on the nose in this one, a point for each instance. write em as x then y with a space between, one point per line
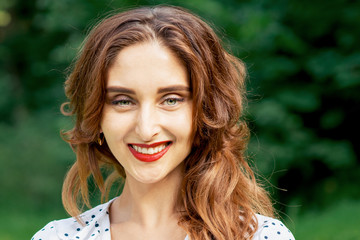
147 123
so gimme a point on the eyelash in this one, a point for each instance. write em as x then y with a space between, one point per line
117 102
176 99
127 102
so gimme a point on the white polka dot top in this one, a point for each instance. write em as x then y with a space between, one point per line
97 227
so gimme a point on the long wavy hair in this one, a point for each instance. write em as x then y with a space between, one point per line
219 193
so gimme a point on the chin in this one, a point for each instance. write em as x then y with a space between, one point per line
148 177
149 180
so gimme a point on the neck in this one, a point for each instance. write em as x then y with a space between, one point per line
148 205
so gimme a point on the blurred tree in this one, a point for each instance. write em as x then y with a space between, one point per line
303 62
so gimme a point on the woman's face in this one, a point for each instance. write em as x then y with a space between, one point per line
147 117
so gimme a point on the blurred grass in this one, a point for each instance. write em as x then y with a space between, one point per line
338 222
23 225
33 162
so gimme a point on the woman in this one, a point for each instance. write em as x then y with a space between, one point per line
158 101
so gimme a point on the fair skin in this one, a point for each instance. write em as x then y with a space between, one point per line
146 121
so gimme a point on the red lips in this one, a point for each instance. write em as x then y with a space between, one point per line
149 157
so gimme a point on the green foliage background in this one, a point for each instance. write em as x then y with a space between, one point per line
303 59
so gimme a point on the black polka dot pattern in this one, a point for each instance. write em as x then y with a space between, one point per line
97 226
271 229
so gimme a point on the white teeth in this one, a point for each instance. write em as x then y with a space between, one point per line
149 150
162 147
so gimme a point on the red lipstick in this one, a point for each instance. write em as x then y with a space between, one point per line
149 157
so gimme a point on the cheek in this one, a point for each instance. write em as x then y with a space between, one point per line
181 124
115 126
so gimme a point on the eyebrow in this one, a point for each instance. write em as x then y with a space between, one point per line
119 90
160 90
174 89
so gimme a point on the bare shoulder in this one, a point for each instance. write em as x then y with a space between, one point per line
272 229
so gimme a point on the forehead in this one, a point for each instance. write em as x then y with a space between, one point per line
147 64
145 50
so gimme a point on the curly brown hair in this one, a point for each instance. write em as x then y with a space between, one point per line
219 192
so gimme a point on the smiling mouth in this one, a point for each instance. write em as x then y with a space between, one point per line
150 150
149 153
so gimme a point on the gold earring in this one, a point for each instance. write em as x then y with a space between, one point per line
101 139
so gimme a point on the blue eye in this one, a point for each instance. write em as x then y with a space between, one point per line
122 102
173 101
